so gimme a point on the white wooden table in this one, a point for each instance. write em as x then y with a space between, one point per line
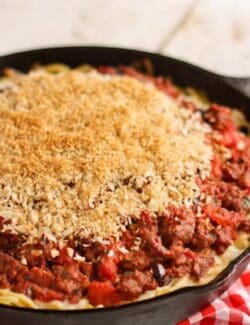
212 33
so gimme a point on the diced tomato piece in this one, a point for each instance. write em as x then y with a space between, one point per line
216 167
107 269
220 220
167 87
107 70
230 138
103 293
221 109
219 217
170 89
223 217
189 253
133 73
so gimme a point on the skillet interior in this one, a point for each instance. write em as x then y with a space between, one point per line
177 305
182 73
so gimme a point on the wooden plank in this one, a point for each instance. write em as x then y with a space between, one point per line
216 36
132 23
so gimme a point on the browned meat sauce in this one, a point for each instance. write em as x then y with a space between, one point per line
154 249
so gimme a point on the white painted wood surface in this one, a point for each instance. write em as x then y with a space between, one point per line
215 35
211 33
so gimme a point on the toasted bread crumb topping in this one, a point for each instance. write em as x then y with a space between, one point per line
82 153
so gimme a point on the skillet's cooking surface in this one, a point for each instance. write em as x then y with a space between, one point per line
177 305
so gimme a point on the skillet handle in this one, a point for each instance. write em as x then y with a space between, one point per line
241 84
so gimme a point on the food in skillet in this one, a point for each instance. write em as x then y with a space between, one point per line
115 186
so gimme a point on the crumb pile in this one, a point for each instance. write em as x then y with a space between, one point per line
80 153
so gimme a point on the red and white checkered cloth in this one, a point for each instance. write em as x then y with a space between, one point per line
231 308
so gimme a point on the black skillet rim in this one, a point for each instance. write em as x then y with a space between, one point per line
212 285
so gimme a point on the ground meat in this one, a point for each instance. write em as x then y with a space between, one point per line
70 271
35 292
223 239
135 260
68 287
44 294
177 224
69 279
245 226
131 286
145 280
204 235
86 268
4 283
232 172
231 198
9 241
1 222
181 264
9 266
42 277
148 230
201 264
154 244
23 287
225 195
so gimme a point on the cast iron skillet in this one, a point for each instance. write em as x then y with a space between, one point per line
170 308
